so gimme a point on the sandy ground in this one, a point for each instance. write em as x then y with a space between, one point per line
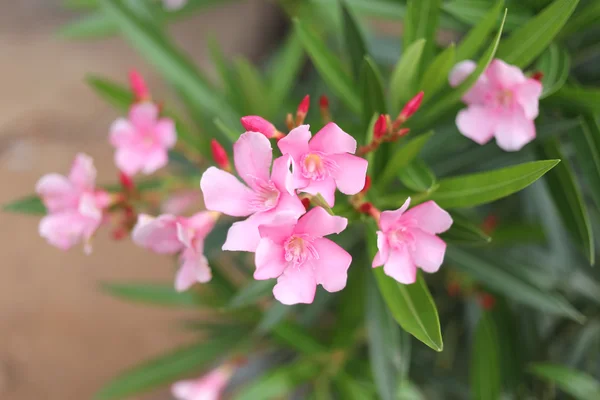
59 337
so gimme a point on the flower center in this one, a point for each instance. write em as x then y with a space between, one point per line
266 196
299 249
316 167
148 141
505 98
400 236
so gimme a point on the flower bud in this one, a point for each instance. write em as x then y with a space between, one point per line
126 182
324 107
306 203
138 86
219 155
538 76
411 107
380 128
367 186
255 123
302 110
487 301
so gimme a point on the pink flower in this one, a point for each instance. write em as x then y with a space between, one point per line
296 253
174 5
168 234
207 387
142 141
325 162
502 103
181 201
263 198
408 239
75 207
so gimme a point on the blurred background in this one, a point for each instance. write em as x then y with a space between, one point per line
60 337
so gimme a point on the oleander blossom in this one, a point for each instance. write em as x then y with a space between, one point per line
75 207
207 387
297 254
408 239
267 194
503 104
169 234
324 162
142 141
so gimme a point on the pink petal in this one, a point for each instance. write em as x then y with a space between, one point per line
331 268
165 132
224 193
429 251
202 223
282 176
288 204
183 390
143 116
382 255
296 285
298 180
269 259
400 266
295 143
331 139
504 76
88 208
514 131
477 93
430 217
252 154
388 219
66 229
477 123
280 229
243 235
527 95
83 172
128 161
57 193
122 133
318 223
180 202
155 160
194 268
460 72
157 234
352 173
326 188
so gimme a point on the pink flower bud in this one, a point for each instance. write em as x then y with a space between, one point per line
303 106
126 182
138 86
323 102
412 106
219 155
254 123
380 128
538 76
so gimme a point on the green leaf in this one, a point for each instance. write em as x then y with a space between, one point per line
401 158
115 94
464 232
576 383
31 205
167 368
577 98
568 199
405 78
318 201
280 382
350 389
372 91
252 88
436 75
251 293
555 64
421 22
383 342
500 280
224 72
471 12
355 44
294 336
409 391
587 146
92 26
418 176
155 294
285 69
485 361
532 38
484 187
329 67
477 36
584 17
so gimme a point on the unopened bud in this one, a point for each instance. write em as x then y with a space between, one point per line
289 121
306 203
255 123
365 208
219 155
138 86
119 234
302 110
538 76
411 107
126 182
367 186
489 224
487 301
324 107
380 128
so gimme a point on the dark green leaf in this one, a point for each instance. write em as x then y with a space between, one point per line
296 337
436 74
401 158
372 91
115 94
472 12
532 38
285 69
568 199
477 36
484 187
350 389
421 22
355 44
587 146
464 232
577 98
584 17
576 383
252 88
155 294
418 176
555 64
485 361
251 293
31 205
405 78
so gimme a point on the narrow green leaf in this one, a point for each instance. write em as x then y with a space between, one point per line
294 336
249 294
355 44
31 205
409 391
485 361
319 201
169 367
155 294
285 69
421 22
436 74
402 157
92 26
532 38
273 316
568 199
577 98
575 383
405 78
252 88
464 232
115 94
80 4
587 146
471 12
418 176
484 187
584 18
225 73
555 64
350 389
500 280
477 36
329 67
372 91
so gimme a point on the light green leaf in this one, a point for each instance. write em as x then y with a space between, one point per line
252 88
568 199
409 391
584 18
555 64
225 73
372 91
115 94
484 187
31 205
575 383
169 367
471 12
402 157
92 26
464 232
587 146
80 4
405 78
355 44
250 293
418 176
421 22
285 68
154 294
295 337
500 280
329 67
478 35
577 98
350 389
485 361
532 38
436 74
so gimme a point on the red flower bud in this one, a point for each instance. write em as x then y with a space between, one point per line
303 106
219 155
411 107
489 224
126 182
323 102
255 123
487 301
365 208
306 203
138 86
119 234
538 76
367 186
380 128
